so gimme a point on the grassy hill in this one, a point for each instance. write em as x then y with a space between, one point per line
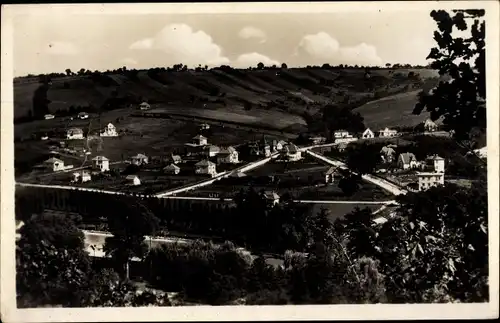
237 94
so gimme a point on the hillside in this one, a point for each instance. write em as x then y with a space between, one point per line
240 94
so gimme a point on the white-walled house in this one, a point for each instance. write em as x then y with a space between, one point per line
430 125
427 180
228 156
341 134
387 154
387 133
407 161
54 164
200 140
437 163
101 163
172 169
204 126
139 159
109 131
133 180
144 106
292 152
205 167
81 177
83 115
368 134
330 175
74 133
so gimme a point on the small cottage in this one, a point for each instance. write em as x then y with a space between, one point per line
204 126
74 133
228 155
436 162
387 133
81 177
280 144
430 125
54 164
205 167
200 140
83 115
342 134
175 159
139 160
407 161
368 134
109 131
133 180
48 116
292 152
211 151
271 197
172 169
387 154
144 106
330 175
100 163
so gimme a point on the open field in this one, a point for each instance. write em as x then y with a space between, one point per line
338 211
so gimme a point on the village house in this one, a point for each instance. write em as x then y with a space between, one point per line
427 180
200 140
436 163
81 177
74 133
271 197
430 126
342 146
368 134
139 160
54 164
144 106
48 116
83 115
481 152
228 155
175 159
341 134
109 131
330 175
101 163
292 152
280 144
407 161
204 126
133 180
211 151
205 167
387 154
387 133
172 169
260 148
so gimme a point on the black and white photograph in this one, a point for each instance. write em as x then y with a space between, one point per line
219 158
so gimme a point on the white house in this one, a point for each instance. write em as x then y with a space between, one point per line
54 164
204 126
407 161
133 180
430 125
205 167
436 162
429 179
387 133
228 156
481 152
175 159
109 131
81 177
368 134
200 140
211 151
101 163
280 144
172 169
387 154
48 116
330 175
342 134
292 152
144 106
272 197
74 133
83 115
139 159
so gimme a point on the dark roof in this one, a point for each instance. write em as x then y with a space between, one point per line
407 157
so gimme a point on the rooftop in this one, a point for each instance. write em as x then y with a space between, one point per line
205 163
100 158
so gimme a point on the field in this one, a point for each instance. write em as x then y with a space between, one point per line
338 211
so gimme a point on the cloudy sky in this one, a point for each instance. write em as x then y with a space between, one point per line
54 41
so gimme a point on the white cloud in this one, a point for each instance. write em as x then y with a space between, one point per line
183 45
252 59
250 32
61 48
324 47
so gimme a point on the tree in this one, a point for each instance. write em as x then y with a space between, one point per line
68 72
349 184
462 100
284 66
260 66
363 158
388 65
337 118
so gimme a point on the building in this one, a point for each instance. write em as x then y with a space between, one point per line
205 167
271 197
292 152
48 116
280 144
74 133
175 159
407 161
200 140
144 106
228 156
430 125
387 133
109 131
54 164
100 163
237 175
341 134
368 134
342 146
81 177
436 162
387 154
139 160
211 151
481 152
330 175
427 180
172 169
133 180
204 126
83 115
317 140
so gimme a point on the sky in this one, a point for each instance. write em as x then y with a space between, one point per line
53 41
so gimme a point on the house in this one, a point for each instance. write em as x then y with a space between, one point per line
271 197
205 167
436 162
101 163
83 115
368 134
292 152
144 106
200 140
211 151
48 116
139 159
330 175
387 154
407 161
265 147
175 159
204 126
427 180
237 175
54 164
481 152
133 180
387 133
228 155
172 169
341 134
280 144
81 177
430 125
74 133
109 131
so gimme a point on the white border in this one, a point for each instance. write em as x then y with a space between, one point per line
8 308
